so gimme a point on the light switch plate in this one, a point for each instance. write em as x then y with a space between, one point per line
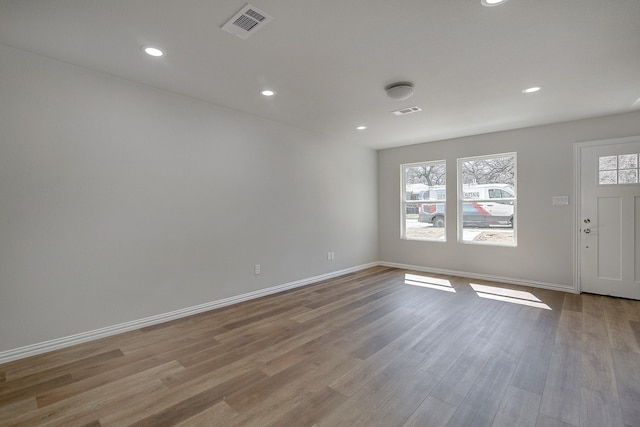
560 200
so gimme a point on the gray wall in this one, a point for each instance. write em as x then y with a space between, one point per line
119 201
545 232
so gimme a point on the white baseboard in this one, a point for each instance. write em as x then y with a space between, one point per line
58 343
499 279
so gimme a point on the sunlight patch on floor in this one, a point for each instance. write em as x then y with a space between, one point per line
509 295
428 282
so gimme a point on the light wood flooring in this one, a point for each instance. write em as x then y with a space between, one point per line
381 347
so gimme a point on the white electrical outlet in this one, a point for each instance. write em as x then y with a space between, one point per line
256 269
328 256
331 256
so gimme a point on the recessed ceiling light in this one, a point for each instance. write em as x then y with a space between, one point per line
532 89
491 3
153 51
268 92
361 127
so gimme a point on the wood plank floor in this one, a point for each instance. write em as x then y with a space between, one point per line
381 347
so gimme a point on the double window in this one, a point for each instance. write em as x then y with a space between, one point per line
486 200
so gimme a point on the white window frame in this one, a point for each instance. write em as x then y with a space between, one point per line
460 200
404 201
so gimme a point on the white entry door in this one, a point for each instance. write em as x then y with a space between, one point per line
610 219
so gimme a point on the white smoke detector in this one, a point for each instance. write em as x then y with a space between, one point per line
400 91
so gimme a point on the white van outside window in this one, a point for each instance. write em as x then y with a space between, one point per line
486 205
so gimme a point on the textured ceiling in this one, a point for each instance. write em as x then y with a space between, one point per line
329 60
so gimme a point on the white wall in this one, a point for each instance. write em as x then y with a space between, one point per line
545 232
119 201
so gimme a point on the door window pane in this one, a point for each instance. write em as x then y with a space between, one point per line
621 169
608 163
628 161
608 177
628 176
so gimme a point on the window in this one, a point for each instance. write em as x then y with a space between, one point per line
622 169
423 202
487 200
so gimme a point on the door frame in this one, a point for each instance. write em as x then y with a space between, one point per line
577 206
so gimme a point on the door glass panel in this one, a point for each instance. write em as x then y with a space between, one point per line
628 176
608 177
620 169
627 161
608 163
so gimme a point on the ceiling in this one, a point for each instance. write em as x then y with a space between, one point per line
329 60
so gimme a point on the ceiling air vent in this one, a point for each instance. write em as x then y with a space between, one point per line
246 22
408 110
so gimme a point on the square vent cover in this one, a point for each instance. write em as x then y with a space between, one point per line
408 110
246 22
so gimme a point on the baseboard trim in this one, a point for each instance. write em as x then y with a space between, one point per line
499 279
58 343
